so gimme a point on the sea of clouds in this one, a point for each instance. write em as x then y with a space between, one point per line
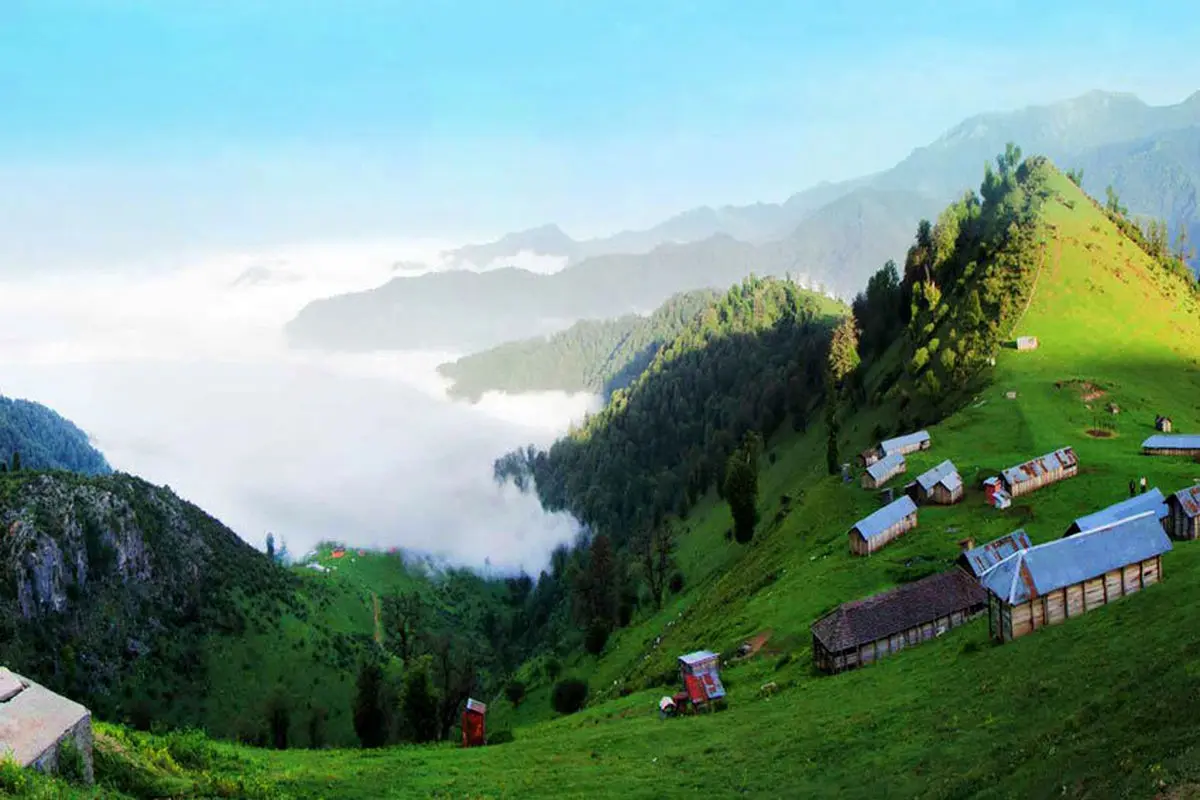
183 377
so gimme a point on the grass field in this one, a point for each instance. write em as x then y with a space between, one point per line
1102 706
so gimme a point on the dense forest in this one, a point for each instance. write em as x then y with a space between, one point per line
41 439
592 355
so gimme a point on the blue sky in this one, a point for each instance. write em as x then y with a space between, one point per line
162 124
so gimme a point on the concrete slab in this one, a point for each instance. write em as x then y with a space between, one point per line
34 720
10 685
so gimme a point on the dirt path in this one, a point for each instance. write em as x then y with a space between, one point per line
375 611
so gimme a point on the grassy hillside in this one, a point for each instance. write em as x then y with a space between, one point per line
1101 706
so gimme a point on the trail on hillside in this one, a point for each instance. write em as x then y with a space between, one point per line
375 613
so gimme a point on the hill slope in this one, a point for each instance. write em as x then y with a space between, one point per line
46 440
955 717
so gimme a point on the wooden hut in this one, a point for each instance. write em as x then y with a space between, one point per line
1172 444
941 485
869 456
1183 513
1039 472
890 522
1152 500
908 443
1162 424
883 471
701 677
978 560
474 733
863 631
1052 582
1027 343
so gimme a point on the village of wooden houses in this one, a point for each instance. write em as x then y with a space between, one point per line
1102 557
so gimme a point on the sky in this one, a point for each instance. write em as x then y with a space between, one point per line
137 130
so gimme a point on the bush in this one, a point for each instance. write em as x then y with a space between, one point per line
676 583
515 692
500 737
552 668
569 695
597 636
191 749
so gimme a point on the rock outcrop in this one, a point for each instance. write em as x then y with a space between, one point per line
38 727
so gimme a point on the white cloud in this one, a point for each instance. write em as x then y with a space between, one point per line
184 379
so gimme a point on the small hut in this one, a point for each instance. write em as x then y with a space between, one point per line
34 721
1027 343
978 560
1172 444
1162 424
1050 583
869 456
941 485
1039 472
701 677
474 733
993 490
1183 513
884 470
890 522
1152 500
908 443
863 631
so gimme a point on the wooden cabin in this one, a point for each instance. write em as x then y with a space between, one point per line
1039 472
993 492
474 733
1027 343
1050 583
1162 424
863 631
908 443
890 522
869 456
941 485
978 560
701 677
1152 500
1172 444
883 471
1183 513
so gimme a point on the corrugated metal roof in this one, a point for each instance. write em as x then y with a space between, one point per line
1189 499
897 610
1038 570
943 473
1152 500
900 442
1059 459
698 656
885 466
1173 441
986 556
475 705
886 517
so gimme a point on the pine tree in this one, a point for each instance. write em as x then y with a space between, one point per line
271 546
370 718
741 488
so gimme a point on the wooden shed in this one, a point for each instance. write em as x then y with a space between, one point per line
1183 513
941 485
1027 343
1162 424
908 443
869 456
1039 472
1152 500
863 631
474 733
1172 444
701 677
978 560
1052 582
883 471
890 522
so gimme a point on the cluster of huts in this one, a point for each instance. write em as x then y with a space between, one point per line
1021 586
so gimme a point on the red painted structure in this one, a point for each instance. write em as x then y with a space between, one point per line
473 731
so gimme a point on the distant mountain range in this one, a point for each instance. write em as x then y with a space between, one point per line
830 236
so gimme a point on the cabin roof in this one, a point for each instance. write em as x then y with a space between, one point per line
1152 500
875 524
1044 568
1189 500
695 658
896 610
986 556
943 473
1173 441
1059 459
476 706
907 440
885 466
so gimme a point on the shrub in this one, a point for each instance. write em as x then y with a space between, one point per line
515 692
676 583
552 668
500 737
597 636
569 695
191 749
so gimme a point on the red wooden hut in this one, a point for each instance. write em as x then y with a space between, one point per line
473 731
701 677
